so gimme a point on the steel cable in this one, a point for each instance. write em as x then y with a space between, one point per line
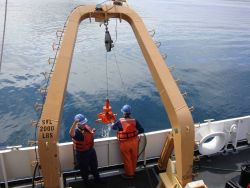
107 79
4 28
118 68
44 96
122 81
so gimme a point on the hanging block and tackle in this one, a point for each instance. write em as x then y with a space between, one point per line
108 41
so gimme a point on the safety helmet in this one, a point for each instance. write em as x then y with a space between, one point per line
126 109
82 119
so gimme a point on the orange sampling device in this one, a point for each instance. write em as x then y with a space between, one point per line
106 116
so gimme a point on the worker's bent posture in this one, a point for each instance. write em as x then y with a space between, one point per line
127 134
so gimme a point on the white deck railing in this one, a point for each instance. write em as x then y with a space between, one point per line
16 163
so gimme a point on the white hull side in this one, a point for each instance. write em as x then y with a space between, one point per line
16 164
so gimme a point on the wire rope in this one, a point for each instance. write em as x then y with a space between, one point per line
43 101
115 30
122 81
108 9
118 68
4 28
107 79
44 95
104 2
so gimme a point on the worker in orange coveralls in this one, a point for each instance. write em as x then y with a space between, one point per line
127 134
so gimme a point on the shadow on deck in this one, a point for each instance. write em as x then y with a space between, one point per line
145 178
216 170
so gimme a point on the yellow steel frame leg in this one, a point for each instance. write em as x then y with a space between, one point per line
166 152
176 107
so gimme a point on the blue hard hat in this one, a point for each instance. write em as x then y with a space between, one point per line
82 119
126 109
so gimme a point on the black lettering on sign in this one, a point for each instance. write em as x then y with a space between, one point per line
47 135
47 129
47 122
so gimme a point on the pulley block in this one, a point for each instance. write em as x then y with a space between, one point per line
108 41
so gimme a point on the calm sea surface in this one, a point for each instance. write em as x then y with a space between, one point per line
207 41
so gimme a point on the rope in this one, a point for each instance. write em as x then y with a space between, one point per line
120 75
43 101
145 165
44 96
107 80
145 144
5 18
118 68
109 8
34 175
104 2
115 30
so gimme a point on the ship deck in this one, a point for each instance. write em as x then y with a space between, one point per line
215 171
144 178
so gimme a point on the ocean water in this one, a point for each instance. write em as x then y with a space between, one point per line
208 42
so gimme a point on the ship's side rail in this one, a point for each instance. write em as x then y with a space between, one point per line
108 152
17 163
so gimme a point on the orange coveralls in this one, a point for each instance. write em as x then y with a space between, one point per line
128 143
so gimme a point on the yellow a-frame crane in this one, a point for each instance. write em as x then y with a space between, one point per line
174 103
